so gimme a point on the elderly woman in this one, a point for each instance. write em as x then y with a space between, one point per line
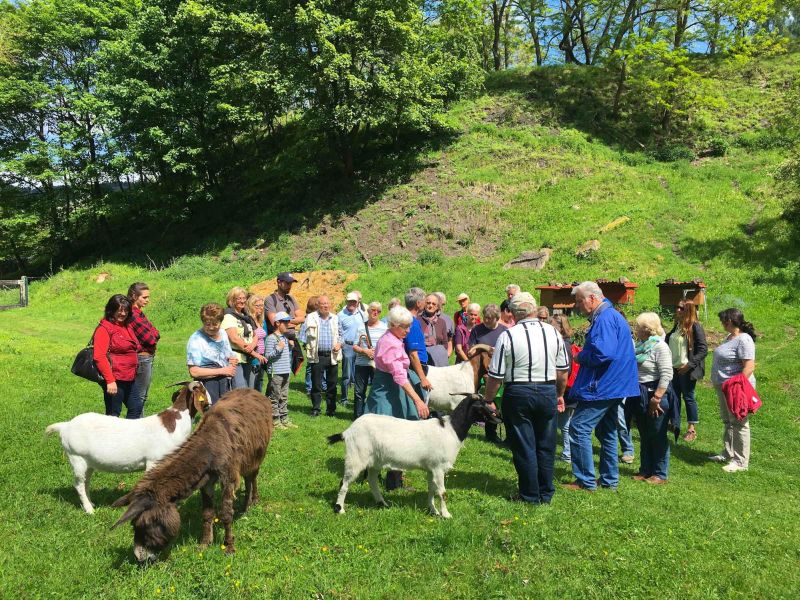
737 354
392 392
654 361
115 352
369 334
240 329
487 333
464 330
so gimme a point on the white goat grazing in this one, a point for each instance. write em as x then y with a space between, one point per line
375 442
95 442
451 383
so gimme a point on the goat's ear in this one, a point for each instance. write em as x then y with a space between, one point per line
200 399
138 506
123 501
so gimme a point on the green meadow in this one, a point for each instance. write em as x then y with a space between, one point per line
505 182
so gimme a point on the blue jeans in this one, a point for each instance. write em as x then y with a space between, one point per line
623 433
363 378
348 370
529 412
684 385
127 394
564 420
654 446
144 374
599 416
308 380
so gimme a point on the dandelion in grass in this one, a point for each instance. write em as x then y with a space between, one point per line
324 548
222 547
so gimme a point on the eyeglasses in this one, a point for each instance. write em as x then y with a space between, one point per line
375 310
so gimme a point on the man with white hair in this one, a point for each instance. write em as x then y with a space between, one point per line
512 289
451 326
607 376
531 361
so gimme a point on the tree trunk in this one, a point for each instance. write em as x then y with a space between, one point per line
618 93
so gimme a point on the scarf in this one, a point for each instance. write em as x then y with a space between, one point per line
430 328
644 348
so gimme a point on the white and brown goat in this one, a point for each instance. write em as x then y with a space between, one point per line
95 442
450 383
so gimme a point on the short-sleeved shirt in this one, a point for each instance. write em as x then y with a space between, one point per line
529 352
375 333
349 324
274 304
728 358
481 334
203 351
229 321
415 340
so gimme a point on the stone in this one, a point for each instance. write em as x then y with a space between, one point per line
530 259
102 277
587 248
614 224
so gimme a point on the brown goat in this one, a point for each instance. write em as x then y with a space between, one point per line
229 443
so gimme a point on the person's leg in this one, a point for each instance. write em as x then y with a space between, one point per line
727 426
544 427
330 393
283 397
308 378
660 446
563 424
363 374
273 393
645 426
348 371
740 435
624 434
584 420
317 374
239 380
131 399
692 412
607 431
144 375
518 403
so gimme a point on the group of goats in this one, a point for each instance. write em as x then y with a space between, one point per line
230 443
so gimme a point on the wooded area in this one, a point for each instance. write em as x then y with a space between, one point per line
163 107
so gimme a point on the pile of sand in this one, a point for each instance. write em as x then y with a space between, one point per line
332 284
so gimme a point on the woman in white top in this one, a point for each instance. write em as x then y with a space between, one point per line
654 361
735 355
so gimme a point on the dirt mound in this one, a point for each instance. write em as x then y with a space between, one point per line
313 283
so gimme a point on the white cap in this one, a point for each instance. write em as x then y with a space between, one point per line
282 316
352 297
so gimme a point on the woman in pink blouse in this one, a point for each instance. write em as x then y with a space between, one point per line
392 391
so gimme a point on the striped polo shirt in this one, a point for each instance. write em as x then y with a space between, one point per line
529 352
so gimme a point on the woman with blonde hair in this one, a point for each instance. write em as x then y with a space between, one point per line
687 341
240 329
255 310
654 361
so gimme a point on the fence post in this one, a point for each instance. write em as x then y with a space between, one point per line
23 291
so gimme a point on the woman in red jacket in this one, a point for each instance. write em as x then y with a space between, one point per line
116 353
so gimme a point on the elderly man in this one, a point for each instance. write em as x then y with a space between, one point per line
451 326
323 347
512 289
463 302
531 361
608 374
414 342
351 317
437 341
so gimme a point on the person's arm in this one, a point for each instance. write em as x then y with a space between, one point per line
600 347
416 366
100 344
421 408
700 346
748 366
492 385
561 387
449 346
207 372
663 359
460 353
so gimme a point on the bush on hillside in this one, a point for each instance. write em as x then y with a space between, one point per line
672 153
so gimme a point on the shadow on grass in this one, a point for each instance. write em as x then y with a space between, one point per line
99 496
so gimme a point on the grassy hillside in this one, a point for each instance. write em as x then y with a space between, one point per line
516 176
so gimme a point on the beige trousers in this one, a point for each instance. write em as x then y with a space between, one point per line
736 433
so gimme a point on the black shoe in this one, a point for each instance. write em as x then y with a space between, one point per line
495 440
330 414
314 413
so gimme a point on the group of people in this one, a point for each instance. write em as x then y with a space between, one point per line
544 380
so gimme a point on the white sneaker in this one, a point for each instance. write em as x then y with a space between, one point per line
733 467
720 458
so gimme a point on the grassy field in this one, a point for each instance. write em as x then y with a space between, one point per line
500 187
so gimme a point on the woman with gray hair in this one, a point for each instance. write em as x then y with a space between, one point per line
369 334
487 333
392 392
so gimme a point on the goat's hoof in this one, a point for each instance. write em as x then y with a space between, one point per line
446 515
434 513
230 549
89 509
338 508
383 504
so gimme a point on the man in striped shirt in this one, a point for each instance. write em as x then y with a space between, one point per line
531 360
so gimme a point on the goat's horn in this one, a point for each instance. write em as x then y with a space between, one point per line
177 384
484 347
461 393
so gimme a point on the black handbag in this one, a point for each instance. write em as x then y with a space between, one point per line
84 365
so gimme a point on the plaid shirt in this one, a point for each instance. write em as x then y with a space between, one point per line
146 333
325 342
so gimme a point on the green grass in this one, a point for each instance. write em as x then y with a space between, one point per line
705 535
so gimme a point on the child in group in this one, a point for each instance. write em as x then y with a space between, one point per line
279 371
209 355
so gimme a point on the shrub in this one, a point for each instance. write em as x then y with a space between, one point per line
716 146
430 256
672 153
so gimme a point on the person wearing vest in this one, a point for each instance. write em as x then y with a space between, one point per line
116 354
608 375
530 360
324 351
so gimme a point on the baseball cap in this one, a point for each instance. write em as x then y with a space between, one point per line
352 297
462 296
282 316
286 277
521 299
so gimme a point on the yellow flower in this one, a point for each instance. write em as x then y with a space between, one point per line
158 591
237 583
172 589
324 548
216 520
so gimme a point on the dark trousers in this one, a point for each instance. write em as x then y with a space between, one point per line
319 370
127 394
684 385
363 378
654 445
217 387
529 412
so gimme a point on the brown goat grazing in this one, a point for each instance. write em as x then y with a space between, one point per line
229 443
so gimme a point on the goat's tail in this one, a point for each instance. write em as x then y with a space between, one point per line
336 437
53 428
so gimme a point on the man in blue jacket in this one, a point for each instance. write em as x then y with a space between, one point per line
607 376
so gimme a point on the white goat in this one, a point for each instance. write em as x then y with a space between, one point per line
450 383
95 442
375 442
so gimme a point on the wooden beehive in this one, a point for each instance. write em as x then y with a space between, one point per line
670 292
618 292
556 296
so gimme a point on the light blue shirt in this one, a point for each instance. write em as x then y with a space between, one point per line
202 351
349 323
